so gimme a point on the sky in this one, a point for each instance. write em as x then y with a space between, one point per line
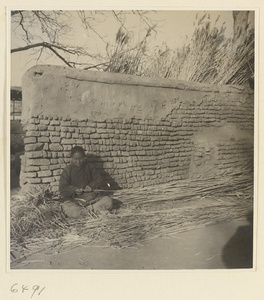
174 27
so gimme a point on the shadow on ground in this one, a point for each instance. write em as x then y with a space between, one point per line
238 252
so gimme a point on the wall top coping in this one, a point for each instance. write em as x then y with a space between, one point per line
38 72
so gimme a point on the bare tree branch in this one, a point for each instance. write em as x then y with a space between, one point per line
119 20
40 53
96 66
145 19
87 24
27 47
46 45
61 57
44 29
22 25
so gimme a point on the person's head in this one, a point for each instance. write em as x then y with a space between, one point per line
77 156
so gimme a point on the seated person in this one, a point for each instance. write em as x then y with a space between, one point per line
77 182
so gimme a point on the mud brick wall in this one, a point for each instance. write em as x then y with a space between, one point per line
137 131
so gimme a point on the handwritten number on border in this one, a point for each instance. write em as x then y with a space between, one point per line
24 288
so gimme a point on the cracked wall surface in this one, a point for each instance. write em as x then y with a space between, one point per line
141 131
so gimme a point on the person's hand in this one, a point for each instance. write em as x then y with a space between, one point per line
79 191
87 189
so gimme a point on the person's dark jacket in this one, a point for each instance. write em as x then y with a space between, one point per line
73 178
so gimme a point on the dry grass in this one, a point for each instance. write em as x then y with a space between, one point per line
209 57
146 213
35 212
128 56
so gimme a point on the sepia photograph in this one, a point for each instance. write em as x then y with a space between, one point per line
132 139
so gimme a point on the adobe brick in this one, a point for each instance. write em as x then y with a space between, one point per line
29 140
33 180
46 173
33 147
43 139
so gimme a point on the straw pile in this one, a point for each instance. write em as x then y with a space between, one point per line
146 213
35 214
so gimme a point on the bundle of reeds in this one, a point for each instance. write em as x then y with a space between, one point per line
146 213
209 57
187 189
35 211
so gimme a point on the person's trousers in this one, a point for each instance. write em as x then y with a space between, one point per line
76 208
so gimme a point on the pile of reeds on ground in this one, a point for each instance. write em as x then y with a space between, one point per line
146 213
35 214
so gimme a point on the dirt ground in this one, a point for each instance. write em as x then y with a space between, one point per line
221 246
